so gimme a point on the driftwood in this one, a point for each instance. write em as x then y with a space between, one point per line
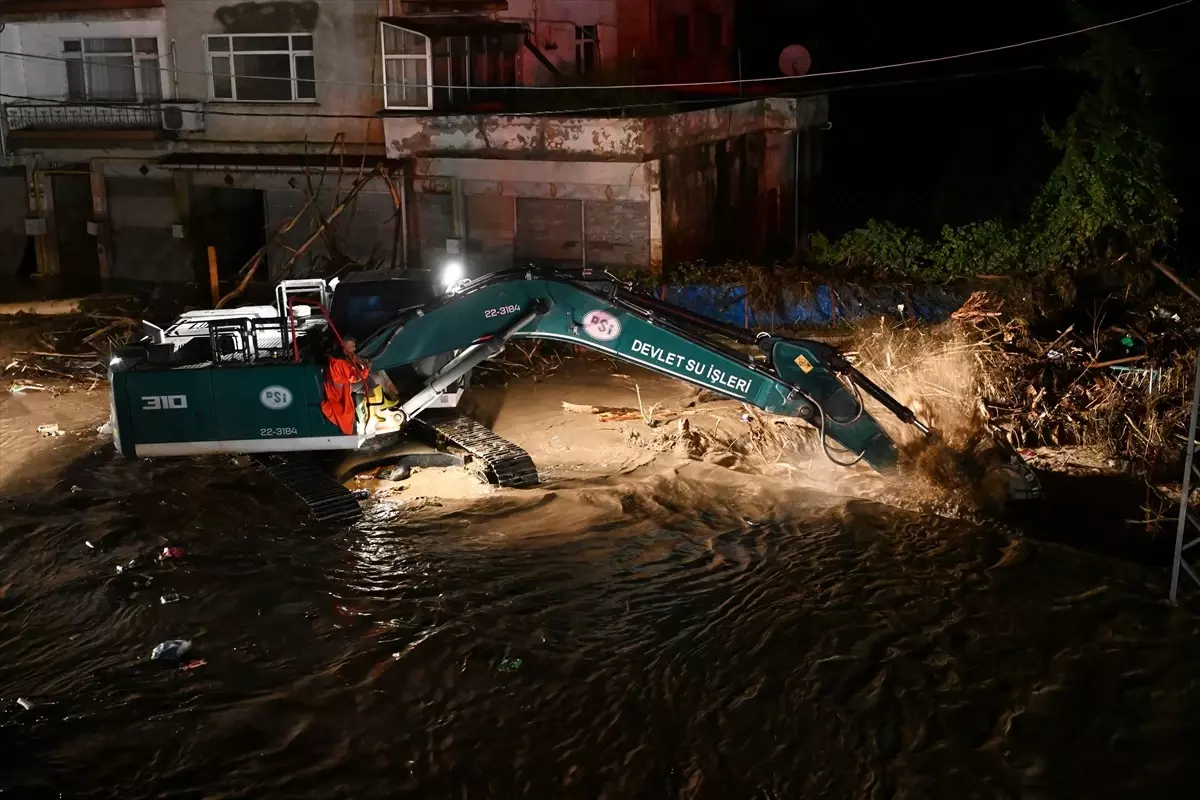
604 413
246 274
44 354
55 308
1175 279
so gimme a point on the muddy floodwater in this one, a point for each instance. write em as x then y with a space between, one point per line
674 629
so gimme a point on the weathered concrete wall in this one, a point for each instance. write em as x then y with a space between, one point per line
594 138
45 78
12 68
516 136
552 212
345 51
142 211
732 199
552 24
648 32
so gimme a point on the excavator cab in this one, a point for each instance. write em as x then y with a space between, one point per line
364 302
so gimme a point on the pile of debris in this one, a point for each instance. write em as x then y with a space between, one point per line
61 351
1120 383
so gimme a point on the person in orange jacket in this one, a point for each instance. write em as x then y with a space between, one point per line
341 377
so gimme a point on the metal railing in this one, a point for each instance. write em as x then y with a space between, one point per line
32 115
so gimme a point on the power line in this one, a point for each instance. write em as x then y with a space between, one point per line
683 85
48 102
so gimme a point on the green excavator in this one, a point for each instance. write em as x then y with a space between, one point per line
250 380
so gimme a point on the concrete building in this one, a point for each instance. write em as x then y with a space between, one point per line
140 133
149 131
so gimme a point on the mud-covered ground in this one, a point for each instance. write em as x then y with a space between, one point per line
678 611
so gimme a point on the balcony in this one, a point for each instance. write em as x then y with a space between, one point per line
42 120
26 115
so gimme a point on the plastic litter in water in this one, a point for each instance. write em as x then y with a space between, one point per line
361 494
171 650
172 597
25 704
49 430
195 663
510 664
170 552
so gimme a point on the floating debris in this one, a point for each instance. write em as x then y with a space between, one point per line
171 650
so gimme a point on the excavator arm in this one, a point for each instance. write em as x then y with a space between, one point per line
790 377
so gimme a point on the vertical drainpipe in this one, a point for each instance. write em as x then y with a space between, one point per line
458 213
100 215
796 201
3 118
583 231
404 180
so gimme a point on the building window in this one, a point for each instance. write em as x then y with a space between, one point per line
406 68
123 70
262 67
586 49
683 36
716 33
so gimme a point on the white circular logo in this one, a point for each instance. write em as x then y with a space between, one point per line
601 326
275 398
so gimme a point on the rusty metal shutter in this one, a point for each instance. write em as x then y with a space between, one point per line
618 233
367 231
281 206
549 230
141 212
491 232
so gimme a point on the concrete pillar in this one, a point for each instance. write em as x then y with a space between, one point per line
654 187
41 203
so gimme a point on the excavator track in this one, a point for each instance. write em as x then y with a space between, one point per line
328 500
507 464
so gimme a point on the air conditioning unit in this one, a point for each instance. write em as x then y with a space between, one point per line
183 116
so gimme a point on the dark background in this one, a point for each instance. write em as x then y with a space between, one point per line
932 148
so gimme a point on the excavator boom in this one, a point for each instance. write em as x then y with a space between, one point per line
791 377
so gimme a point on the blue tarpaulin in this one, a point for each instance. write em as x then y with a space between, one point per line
823 306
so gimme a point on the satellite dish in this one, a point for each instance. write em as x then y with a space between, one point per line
795 60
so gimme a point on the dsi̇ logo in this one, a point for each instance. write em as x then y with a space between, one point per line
164 402
275 398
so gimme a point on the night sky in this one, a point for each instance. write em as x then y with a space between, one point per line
949 151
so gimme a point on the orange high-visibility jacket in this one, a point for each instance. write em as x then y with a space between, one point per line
338 406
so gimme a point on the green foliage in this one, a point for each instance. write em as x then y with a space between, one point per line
1108 195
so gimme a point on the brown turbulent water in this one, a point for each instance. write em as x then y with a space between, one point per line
667 648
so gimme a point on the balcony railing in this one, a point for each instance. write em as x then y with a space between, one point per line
39 115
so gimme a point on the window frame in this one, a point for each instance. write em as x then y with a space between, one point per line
81 57
582 42
427 58
292 53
